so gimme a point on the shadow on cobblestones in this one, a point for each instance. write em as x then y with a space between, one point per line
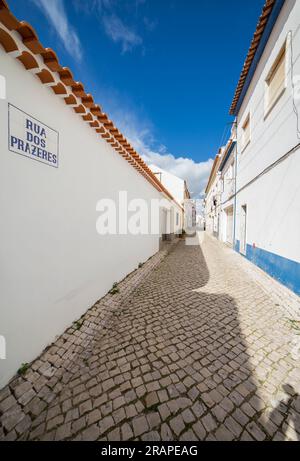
172 363
289 407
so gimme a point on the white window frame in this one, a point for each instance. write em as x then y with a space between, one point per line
270 107
245 144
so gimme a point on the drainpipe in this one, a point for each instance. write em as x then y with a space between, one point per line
235 175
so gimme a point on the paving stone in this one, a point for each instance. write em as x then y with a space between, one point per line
119 415
126 432
188 436
219 413
140 425
227 405
23 425
72 415
164 411
81 398
95 391
222 434
55 422
12 417
108 384
151 400
11 436
198 409
233 426
91 433
105 424
255 431
162 395
63 432
78 424
94 416
188 416
153 419
85 407
37 432
152 436
7 403
22 389
131 411
177 425
240 417
199 430
208 422
166 433
118 402
53 411
4 393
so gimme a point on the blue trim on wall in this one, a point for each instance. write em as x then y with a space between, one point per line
260 49
286 271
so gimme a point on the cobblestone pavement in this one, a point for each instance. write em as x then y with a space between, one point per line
199 351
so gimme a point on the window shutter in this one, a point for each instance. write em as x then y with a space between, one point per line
276 80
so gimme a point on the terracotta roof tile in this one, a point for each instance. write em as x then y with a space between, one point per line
267 9
73 92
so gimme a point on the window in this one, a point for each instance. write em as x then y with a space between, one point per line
246 132
275 82
177 219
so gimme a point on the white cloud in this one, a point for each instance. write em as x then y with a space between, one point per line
109 14
140 135
119 32
55 12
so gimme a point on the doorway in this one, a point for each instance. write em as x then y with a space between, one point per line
229 226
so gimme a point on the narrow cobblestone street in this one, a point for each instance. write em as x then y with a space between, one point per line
198 351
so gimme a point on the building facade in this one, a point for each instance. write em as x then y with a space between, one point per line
212 201
260 212
227 170
60 156
186 220
268 150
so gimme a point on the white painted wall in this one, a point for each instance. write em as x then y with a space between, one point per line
212 211
175 186
54 265
227 200
273 216
171 182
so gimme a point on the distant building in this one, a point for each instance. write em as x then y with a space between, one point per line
213 198
179 190
227 176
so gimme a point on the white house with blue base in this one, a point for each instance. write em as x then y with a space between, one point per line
267 110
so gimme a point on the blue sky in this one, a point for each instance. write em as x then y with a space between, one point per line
164 70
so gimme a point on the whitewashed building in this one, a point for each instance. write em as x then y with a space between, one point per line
60 155
179 190
212 201
227 173
267 108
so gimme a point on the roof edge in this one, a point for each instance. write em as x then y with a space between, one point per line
43 62
267 20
